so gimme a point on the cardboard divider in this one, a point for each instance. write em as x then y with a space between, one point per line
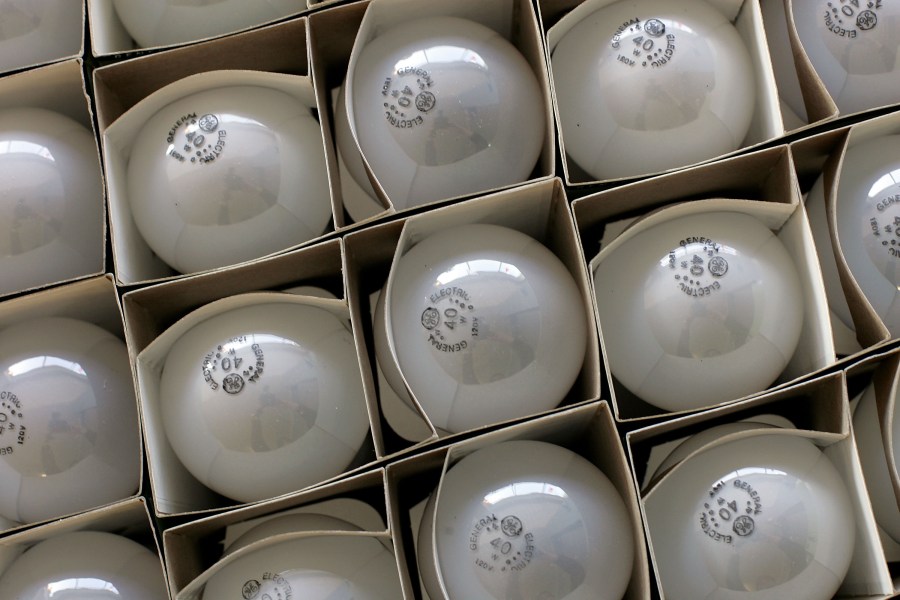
816 409
557 17
766 184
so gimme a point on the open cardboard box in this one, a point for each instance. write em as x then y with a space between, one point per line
275 56
110 38
816 409
587 429
129 518
92 300
539 210
558 16
765 184
193 549
336 36
156 312
73 237
41 33
822 155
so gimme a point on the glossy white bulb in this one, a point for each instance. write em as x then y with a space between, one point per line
526 519
163 22
869 442
766 517
37 31
85 564
347 567
69 439
867 207
445 107
227 175
51 199
699 309
488 325
264 400
854 48
288 524
648 85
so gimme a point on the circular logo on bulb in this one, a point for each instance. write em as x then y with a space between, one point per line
233 364
643 43
196 139
450 321
501 544
271 586
12 427
884 227
848 18
729 510
407 97
698 266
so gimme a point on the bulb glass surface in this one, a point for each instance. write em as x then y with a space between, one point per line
51 199
648 85
289 524
264 400
526 519
37 31
488 325
227 175
766 517
687 306
69 439
854 48
85 564
445 107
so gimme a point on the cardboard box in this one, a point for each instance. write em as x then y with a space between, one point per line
67 231
38 33
817 410
765 183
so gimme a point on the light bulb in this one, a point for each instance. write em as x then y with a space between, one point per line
445 107
327 567
264 400
85 564
287 524
164 22
69 437
867 210
227 175
37 31
854 49
687 305
870 444
51 199
648 85
487 323
766 517
526 519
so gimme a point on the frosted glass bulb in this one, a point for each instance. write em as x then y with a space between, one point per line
526 519
688 305
346 567
37 31
288 524
869 442
445 107
766 517
867 209
488 325
648 85
164 22
227 175
854 48
85 564
51 199
69 436
264 400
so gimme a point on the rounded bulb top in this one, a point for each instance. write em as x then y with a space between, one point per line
37 31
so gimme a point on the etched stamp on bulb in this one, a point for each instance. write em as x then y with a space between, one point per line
233 364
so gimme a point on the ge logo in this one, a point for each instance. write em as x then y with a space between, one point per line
431 318
425 101
511 526
866 20
250 589
208 123
743 526
233 383
655 27
718 266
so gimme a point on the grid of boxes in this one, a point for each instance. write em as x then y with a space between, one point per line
110 85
